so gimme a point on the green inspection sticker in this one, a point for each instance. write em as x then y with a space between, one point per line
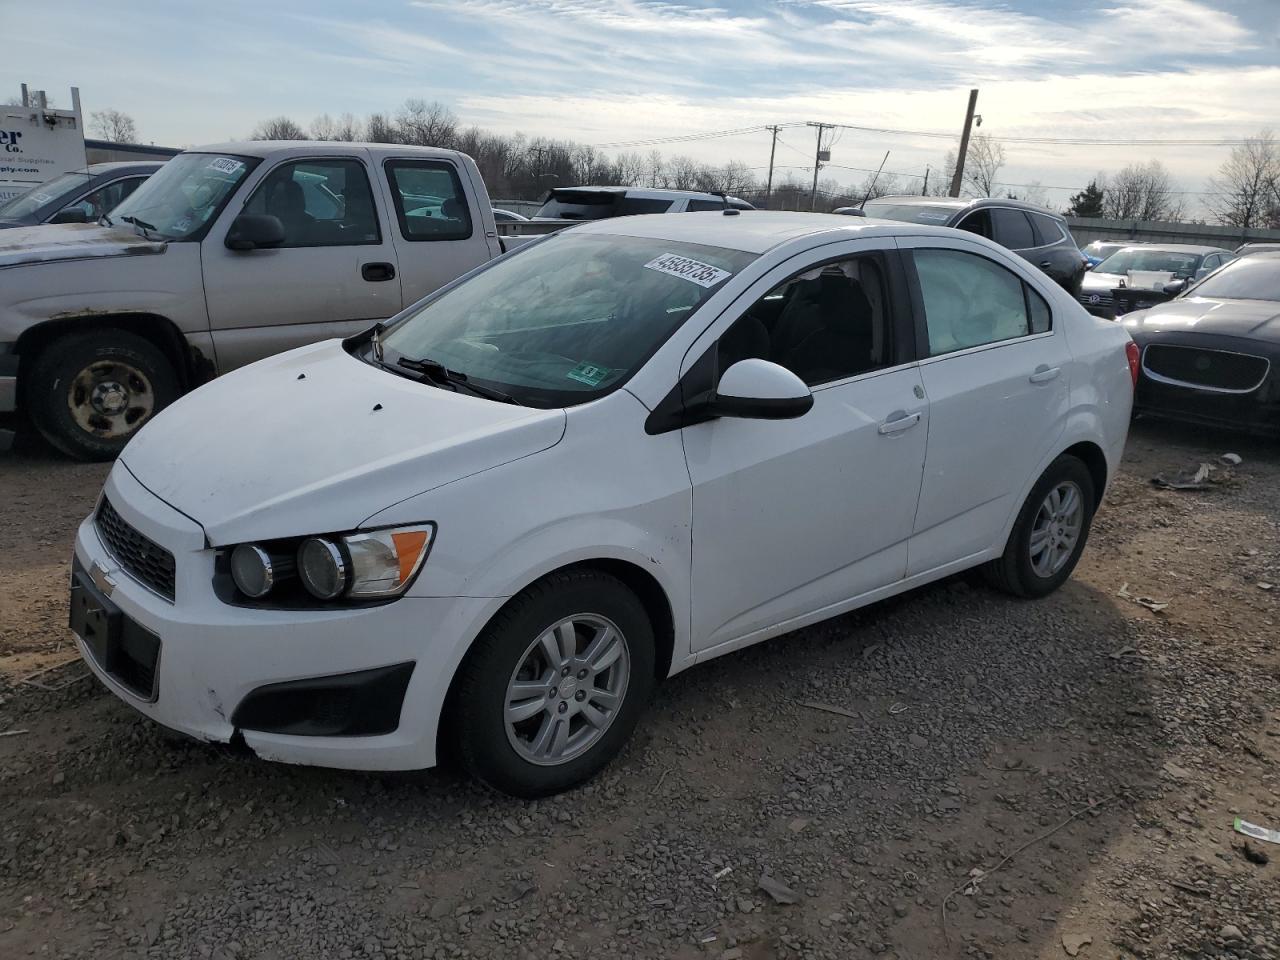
589 374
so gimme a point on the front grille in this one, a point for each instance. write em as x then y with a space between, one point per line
1103 299
1205 369
142 558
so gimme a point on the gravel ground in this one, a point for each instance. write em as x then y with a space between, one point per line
1002 779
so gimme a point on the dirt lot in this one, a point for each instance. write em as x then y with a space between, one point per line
1069 768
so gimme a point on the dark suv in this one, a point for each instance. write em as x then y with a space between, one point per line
1032 232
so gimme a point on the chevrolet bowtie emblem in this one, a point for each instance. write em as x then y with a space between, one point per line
101 578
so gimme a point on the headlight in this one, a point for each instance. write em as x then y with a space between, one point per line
252 570
365 565
323 568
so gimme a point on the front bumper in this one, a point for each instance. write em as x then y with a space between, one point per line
1255 411
213 656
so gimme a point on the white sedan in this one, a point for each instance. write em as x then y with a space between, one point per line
623 450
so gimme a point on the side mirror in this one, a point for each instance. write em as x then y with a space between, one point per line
1088 266
1175 287
760 390
70 215
253 231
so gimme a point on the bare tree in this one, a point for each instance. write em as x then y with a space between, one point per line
681 173
113 125
426 124
631 169
1246 191
1141 191
873 186
344 128
1033 192
378 129
656 169
982 164
278 128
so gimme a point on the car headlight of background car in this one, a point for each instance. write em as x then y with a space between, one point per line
350 567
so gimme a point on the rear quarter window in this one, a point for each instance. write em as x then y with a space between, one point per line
429 200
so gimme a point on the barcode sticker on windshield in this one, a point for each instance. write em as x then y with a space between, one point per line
225 165
703 274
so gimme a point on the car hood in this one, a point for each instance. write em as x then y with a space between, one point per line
72 241
1101 282
1248 319
317 441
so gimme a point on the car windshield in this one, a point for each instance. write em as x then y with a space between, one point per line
1181 265
1103 250
937 214
1249 278
25 204
567 319
182 197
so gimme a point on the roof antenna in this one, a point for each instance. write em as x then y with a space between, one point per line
728 211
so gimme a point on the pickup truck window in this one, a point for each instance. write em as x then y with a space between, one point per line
181 199
429 199
568 319
321 203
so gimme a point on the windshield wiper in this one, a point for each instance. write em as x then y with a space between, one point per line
440 374
106 217
140 224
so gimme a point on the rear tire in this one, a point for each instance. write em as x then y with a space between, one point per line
1049 534
90 392
533 712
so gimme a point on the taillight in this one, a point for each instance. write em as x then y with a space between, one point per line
1132 353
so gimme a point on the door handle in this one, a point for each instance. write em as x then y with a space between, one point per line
898 421
1044 373
1045 264
375 272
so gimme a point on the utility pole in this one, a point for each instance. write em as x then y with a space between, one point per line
924 191
817 161
964 144
768 190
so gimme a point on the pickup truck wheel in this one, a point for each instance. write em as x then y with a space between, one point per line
1049 534
555 685
89 393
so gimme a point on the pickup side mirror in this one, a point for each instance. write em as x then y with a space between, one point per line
70 215
253 231
760 390
1175 287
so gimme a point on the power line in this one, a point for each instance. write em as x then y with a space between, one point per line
683 138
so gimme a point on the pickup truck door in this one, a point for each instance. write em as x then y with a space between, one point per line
440 231
335 273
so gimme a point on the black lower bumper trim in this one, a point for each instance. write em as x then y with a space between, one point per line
362 704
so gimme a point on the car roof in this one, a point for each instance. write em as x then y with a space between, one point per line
963 203
755 231
269 149
1176 248
122 166
650 193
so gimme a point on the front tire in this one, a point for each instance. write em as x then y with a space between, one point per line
1049 534
90 392
555 685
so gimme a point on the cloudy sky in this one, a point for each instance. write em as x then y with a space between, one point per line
605 71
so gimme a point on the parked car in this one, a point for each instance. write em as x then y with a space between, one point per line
1033 233
1099 250
1256 247
508 216
228 254
1151 267
477 524
599 203
78 196
1212 355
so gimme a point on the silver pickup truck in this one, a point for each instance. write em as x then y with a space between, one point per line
227 254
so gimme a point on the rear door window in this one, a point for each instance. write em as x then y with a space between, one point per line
970 301
1047 229
1012 229
429 200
